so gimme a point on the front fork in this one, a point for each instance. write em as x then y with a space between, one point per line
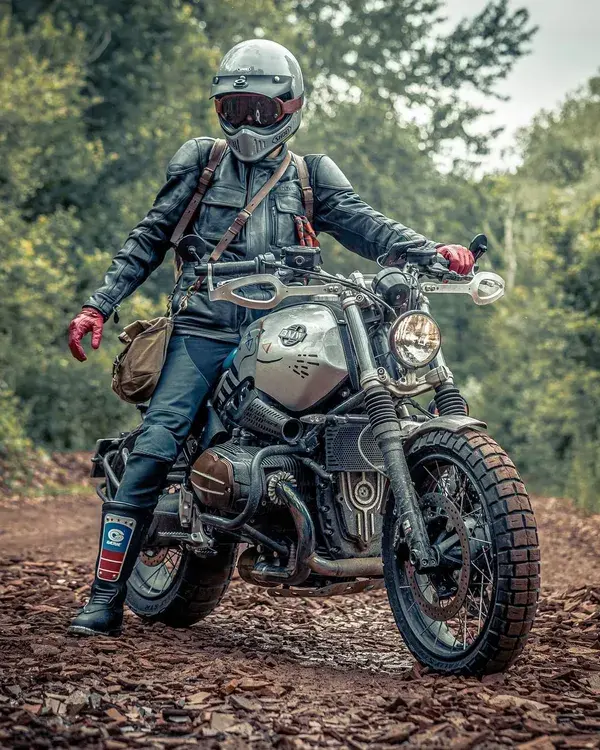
386 429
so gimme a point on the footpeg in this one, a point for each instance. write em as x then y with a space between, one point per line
202 543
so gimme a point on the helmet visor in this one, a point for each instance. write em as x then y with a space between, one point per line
254 110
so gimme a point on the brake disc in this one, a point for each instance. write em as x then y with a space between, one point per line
436 609
154 557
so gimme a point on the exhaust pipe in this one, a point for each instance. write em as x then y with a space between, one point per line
305 558
351 567
297 570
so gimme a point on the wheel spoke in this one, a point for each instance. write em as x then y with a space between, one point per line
152 577
480 607
164 572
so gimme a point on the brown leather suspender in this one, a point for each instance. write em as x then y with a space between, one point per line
216 154
247 212
241 219
308 197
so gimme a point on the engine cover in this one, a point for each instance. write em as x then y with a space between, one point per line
360 498
350 513
294 355
220 476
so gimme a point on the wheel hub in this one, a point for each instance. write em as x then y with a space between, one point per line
448 590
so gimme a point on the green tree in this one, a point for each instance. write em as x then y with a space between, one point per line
541 385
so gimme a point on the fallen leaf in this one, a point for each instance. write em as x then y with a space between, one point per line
222 722
197 698
398 732
115 715
515 701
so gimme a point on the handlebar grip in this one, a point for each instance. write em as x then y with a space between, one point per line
227 268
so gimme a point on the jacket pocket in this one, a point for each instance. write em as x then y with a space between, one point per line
220 206
287 205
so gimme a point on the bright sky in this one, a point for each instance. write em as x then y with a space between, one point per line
565 53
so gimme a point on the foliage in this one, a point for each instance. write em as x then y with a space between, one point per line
541 387
96 97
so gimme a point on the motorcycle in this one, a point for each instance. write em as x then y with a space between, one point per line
314 453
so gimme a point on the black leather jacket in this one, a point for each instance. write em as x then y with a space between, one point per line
338 210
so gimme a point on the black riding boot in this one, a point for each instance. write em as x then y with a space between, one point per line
122 533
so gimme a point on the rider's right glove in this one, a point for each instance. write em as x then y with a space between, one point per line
461 258
89 319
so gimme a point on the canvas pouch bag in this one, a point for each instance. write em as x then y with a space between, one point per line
137 368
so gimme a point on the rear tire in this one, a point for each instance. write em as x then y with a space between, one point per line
182 593
198 586
502 544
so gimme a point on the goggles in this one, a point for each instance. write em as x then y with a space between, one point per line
255 110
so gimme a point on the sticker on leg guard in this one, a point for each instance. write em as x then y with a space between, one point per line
116 537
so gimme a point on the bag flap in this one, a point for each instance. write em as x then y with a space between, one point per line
133 330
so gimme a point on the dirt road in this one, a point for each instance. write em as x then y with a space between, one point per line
288 674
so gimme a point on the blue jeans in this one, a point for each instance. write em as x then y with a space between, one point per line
192 366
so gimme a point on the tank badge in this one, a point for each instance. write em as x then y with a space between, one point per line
266 346
292 335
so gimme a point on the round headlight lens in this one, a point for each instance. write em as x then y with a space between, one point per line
415 339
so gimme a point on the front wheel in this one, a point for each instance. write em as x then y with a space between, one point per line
473 613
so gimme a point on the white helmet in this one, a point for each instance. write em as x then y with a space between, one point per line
259 94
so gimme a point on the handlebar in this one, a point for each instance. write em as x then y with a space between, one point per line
266 270
230 268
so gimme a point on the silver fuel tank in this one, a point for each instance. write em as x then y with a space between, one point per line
294 355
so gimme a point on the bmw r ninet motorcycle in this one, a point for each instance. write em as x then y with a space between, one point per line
314 452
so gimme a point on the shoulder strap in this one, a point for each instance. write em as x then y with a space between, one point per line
243 217
216 154
307 191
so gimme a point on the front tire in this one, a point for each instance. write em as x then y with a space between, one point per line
473 614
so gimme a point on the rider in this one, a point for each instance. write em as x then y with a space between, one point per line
259 95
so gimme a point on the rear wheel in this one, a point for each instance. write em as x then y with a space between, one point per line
171 584
473 613
174 586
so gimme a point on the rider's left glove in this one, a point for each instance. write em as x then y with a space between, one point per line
89 319
461 258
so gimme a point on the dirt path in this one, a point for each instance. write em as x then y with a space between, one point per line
288 674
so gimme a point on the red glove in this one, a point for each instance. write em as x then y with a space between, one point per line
461 259
89 319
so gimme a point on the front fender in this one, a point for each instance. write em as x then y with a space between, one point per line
451 423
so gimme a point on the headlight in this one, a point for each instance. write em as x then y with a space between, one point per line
415 339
